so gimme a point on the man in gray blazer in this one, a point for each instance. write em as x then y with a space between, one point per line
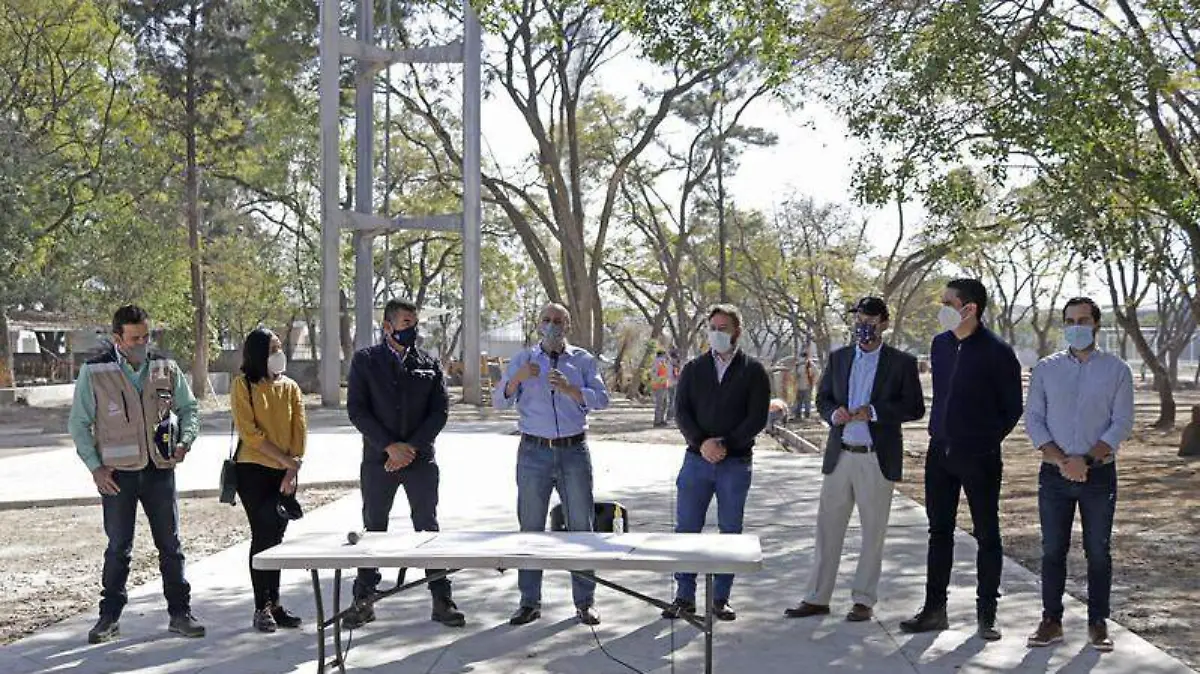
868 390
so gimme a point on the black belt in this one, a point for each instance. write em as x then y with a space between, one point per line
858 449
555 442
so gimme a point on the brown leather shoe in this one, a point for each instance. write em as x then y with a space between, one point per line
1098 637
860 613
806 610
1048 632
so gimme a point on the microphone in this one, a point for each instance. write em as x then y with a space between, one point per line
354 537
554 360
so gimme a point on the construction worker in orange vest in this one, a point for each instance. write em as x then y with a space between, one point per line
660 382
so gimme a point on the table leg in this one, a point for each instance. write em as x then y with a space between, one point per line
708 623
316 579
337 626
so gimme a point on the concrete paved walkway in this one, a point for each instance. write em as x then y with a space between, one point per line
478 493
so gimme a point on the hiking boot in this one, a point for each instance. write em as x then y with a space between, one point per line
358 615
928 620
678 608
525 615
1049 631
264 621
186 624
446 612
986 620
106 628
1098 637
284 618
587 615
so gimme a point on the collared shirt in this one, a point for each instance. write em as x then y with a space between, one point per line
82 419
862 382
549 414
1075 403
722 362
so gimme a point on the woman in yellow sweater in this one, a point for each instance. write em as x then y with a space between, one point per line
268 410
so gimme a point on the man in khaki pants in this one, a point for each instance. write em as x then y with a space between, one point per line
868 390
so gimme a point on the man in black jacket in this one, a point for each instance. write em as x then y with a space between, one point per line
721 405
868 390
976 404
397 399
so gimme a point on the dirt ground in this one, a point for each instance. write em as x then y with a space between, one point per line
51 558
1156 588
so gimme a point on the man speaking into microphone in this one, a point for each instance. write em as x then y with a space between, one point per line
554 385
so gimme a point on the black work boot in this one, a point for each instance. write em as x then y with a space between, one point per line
986 616
446 612
186 624
358 615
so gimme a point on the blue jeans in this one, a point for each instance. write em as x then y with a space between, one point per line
1097 501
154 488
696 485
540 470
803 406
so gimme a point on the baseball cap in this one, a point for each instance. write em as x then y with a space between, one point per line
871 306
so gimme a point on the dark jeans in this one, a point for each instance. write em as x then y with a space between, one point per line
420 480
977 473
540 471
258 488
1097 501
698 482
155 490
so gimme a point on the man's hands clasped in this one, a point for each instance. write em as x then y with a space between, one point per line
399 455
842 415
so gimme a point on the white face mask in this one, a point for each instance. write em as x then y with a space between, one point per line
949 318
721 342
276 362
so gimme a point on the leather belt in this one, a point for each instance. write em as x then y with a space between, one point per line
555 442
858 449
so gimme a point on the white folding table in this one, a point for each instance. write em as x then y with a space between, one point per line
706 554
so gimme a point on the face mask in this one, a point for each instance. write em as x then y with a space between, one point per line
949 318
864 333
552 333
1079 337
406 337
721 342
277 363
136 353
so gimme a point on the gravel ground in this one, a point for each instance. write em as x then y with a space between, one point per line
40 547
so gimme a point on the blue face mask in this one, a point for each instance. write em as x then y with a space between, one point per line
1079 337
552 333
864 333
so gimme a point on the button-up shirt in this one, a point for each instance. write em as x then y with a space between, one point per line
1075 403
549 414
722 362
862 382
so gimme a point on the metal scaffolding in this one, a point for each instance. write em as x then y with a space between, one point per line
363 222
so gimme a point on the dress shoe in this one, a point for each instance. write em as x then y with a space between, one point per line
928 620
678 608
106 628
860 613
806 610
587 615
446 612
1098 637
525 615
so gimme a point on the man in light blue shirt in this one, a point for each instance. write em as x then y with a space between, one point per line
553 385
1080 409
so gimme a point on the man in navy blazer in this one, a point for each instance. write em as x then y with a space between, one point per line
868 390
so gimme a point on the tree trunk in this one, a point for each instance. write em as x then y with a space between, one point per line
6 352
1162 381
192 205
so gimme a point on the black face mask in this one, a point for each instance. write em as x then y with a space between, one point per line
406 337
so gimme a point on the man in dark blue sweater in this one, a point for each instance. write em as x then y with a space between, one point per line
721 406
976 404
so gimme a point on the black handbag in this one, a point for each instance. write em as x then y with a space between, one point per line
229 466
